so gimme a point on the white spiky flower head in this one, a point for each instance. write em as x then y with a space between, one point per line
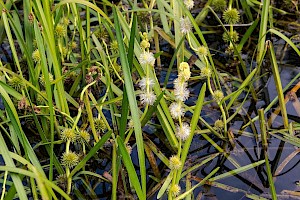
146 81
176 110
147 58
185 25
184 71
183 131
179 83
147 98
189 4
181 93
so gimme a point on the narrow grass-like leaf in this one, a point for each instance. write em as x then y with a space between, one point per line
244 84
197 166
262 30
130 169
194 122
164 115
165 186
10 163
157 152
33 175
44 17
277 81
265 149
12 113
198 184
125 103
86 3
48 91
91 153
11 41
237 171
172 63
247 35
286 39
132 102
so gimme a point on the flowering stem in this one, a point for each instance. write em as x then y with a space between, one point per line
68 146
170 196
209 86
230 4
224 119
69 179
179 148
189 41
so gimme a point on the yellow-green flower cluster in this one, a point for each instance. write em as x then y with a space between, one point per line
60 30
145 44
70 159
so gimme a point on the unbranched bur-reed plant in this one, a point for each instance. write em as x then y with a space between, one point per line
183 130
71 158
147 96
230 16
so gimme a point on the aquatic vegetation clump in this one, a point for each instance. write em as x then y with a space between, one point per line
128 99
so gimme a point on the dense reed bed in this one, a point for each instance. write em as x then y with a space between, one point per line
105 100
